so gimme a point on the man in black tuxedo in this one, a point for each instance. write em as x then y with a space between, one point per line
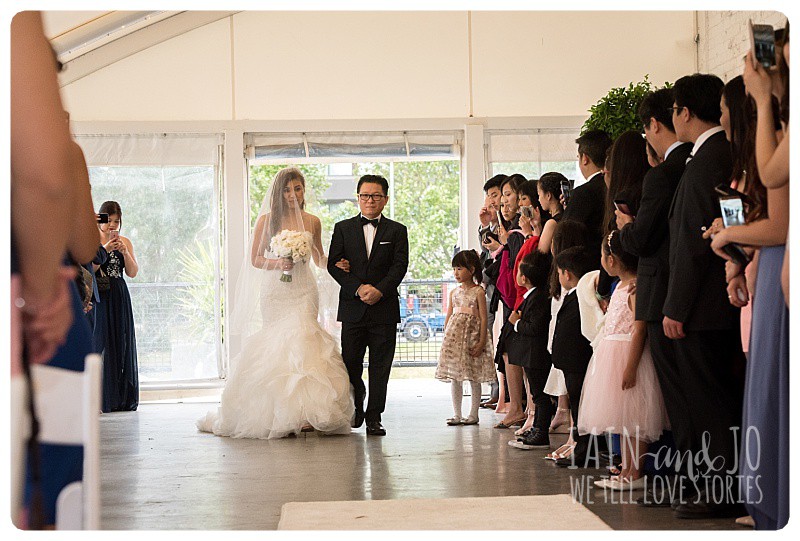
698 317
375 251
588 201
647 236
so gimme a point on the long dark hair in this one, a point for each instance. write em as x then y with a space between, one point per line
629 164
567 234
111 208
469 259
277 203
743 119
514 181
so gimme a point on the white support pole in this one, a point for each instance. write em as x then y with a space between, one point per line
472 180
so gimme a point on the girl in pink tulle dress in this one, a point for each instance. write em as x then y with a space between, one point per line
621 394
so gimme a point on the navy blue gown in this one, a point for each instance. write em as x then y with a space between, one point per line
764 460
115 339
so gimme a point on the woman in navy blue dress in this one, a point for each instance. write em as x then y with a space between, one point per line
114 334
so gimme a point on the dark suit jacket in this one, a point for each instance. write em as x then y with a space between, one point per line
527 346
588 205
384 269
697 294
648 235
571 350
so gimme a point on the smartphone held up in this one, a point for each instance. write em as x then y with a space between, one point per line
762 43
566 191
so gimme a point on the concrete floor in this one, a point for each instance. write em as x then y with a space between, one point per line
159 472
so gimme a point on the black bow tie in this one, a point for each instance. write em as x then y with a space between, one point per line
365 221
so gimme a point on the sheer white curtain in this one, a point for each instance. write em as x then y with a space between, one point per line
168 186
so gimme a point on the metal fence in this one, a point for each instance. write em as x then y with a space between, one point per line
423 305
176 340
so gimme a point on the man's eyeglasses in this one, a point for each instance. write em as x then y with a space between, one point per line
374 196
675 110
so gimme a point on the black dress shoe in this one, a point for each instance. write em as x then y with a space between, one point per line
375 428
704 510
358 419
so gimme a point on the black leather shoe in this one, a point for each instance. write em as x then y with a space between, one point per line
358 419
375 428
704 510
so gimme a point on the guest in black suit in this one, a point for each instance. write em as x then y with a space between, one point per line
375 250
571 350
588 201
527 330
489 227
647 236
697 315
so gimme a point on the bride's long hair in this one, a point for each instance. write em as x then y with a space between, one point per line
278 207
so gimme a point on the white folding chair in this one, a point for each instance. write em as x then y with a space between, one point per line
68 407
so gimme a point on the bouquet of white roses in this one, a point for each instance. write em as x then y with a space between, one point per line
294 245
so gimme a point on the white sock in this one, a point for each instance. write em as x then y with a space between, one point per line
457 392
476 399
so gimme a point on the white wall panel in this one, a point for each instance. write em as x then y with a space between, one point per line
185 78
317 65
56 22
371 65
560 63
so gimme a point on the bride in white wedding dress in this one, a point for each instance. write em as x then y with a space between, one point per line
289 376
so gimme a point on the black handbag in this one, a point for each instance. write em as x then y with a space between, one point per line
102 280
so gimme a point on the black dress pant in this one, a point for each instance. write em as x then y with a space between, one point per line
381 340
703 395
537 378
574 381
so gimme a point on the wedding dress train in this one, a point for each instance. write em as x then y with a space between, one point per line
288 374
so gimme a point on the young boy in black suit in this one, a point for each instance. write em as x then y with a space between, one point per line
526 343
571 350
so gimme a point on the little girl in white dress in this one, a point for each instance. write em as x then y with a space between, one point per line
621 393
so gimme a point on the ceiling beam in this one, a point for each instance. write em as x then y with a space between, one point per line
166 25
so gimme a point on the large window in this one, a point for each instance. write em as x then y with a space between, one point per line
168 189
423 171
533 153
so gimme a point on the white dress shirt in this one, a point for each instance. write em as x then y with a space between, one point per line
702 139
369 234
